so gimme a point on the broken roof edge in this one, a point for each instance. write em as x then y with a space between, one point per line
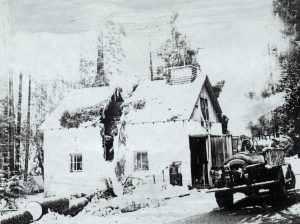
75 100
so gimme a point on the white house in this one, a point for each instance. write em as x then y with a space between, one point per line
168 133
73 157
176 124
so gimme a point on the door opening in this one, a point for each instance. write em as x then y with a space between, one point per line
199 162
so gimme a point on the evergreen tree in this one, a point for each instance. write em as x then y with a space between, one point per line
100 79
176 51
110 54
107 67
289 113
87 72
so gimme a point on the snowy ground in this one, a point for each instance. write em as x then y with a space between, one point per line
164 206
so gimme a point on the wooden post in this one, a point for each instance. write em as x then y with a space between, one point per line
18 129
27 131
208 153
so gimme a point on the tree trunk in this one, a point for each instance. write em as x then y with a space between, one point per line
27 132
18 129
11 128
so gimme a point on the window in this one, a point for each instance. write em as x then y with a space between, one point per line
204 108
141 161
76 162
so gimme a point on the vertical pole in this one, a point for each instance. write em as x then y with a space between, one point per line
151 67
209 155
184 54
18 129
7 154
11 131
27 131
150 55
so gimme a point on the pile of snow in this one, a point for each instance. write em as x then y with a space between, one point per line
55 218
145 196
295 163
172 209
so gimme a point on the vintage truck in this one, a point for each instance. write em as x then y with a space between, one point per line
249 172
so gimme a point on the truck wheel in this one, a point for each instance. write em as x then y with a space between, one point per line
291 184
279 190
224 199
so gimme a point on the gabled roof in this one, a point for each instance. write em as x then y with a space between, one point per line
163 102
77 99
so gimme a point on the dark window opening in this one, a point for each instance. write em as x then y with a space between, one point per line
204 108
141 161
76 162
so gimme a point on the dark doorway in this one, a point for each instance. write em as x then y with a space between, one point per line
199 162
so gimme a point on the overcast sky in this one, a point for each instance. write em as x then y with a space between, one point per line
233 35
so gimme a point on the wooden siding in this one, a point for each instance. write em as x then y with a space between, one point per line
221 148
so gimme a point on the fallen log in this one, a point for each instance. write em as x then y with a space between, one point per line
76 206
59 205
35 210
22 217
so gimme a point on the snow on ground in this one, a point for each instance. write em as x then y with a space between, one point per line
22 201
161 204
164 206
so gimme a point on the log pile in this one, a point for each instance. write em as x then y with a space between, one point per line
35 210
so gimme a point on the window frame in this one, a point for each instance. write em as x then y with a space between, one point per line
204 108
143 161
76 163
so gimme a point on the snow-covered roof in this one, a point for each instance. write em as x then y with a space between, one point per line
162 102
151 101
78 98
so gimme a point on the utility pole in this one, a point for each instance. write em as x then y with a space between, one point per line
184 53
18 129
151 67
27 131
